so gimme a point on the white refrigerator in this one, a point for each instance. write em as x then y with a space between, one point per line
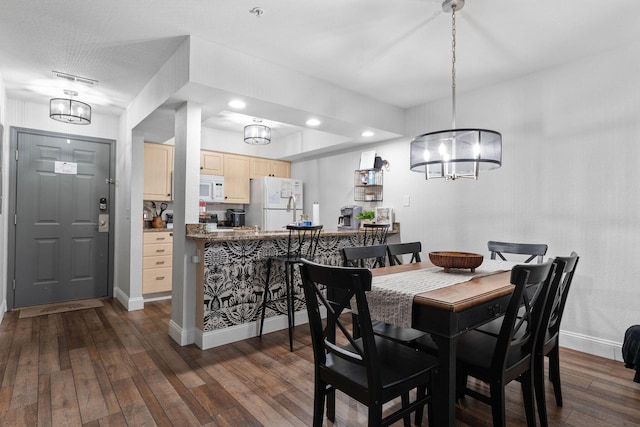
269 198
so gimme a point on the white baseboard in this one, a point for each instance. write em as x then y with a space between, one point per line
587 344
247 330
3 309
129 303
180 335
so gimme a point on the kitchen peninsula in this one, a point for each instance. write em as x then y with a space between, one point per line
232 272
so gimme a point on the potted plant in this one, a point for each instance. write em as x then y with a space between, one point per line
366 217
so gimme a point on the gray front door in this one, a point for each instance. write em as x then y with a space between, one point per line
60 253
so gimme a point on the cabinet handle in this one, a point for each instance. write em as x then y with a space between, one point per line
160 278
160 238
159 250
159 262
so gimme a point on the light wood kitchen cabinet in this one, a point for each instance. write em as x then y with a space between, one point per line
267 167
211 163
157 261
158 172
236 178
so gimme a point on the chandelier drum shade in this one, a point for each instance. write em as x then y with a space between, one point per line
257 133
69 110
455 153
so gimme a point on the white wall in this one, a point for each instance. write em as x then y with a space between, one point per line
571 144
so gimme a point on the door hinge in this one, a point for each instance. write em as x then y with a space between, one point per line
14 284
109 181
16 155
15 219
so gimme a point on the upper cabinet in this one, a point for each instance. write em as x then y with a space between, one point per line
158 172
266 167
211 163
236 178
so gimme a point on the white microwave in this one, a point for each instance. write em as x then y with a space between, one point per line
212 188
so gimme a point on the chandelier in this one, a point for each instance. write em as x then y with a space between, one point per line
257 133
455 153
69 110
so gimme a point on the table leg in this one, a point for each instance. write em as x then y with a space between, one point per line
445 391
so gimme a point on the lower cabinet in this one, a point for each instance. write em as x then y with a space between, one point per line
157 261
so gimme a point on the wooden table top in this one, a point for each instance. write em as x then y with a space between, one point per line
456 297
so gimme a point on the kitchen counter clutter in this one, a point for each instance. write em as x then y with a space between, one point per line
231 274
199 232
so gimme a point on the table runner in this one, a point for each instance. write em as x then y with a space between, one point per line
391 296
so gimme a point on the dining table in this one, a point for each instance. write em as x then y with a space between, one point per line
446 312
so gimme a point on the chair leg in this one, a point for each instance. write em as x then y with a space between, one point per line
405 403
539 386
526 382
318 403
554 373
497 405
375 415
289 285
265 295
420 393
331 406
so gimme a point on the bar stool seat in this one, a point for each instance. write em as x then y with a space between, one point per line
302 244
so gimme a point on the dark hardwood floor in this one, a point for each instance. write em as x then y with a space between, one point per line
106 366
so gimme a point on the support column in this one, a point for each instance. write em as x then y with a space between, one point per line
186 181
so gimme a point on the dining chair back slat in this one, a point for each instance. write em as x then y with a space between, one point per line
398 249
534 250
364 256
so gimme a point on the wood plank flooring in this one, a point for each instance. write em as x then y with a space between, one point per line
106 366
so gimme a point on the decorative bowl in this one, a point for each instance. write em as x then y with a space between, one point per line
449 260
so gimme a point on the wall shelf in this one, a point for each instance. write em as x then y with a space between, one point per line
367 185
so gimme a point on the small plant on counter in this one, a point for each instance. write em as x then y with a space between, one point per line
370 215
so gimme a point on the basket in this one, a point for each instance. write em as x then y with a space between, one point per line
449 260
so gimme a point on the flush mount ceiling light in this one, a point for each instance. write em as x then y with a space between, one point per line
257 133
455 153
69 110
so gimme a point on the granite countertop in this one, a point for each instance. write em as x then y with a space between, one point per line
198 232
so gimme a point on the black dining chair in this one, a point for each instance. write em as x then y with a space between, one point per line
534 250
375 234
302 243
370 369
499 359
373 257
364 256
396 250
548 343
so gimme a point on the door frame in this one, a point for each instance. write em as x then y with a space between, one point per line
10 207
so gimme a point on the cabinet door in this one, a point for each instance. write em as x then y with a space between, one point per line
236 179
259 167
266 167
211 163
158 172
281 168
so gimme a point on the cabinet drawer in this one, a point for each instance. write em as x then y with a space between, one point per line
157 261
158 237
156 280
159 249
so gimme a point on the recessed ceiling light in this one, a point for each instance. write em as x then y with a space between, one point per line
367 133
313 122
237 104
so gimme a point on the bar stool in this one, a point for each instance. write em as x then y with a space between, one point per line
375 234
302 243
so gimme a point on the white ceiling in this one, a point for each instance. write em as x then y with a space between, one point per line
395 51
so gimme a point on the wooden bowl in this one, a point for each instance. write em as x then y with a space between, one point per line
449 260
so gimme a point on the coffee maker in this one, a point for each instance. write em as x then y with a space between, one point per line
347 219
